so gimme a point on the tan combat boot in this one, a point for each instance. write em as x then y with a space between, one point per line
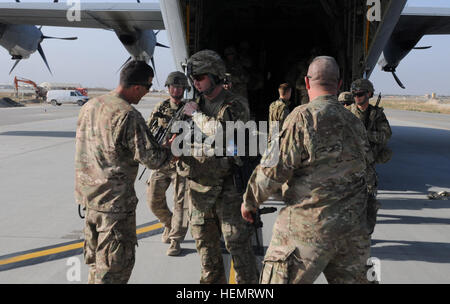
165 235
174 248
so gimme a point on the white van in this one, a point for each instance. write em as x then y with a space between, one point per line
58 97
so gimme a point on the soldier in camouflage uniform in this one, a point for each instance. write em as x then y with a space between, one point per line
239 76
379 132
175 224
213 200
279 109
111 140
323 158
346 98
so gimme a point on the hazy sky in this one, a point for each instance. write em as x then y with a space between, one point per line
94 59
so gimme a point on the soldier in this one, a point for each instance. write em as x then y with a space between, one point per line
379 132
323 151
213 200
279 109
346 98
239 76
111 140
175 224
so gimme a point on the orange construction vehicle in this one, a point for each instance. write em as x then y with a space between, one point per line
83 91
40 91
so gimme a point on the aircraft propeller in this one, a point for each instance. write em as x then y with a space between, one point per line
398 80
41 51
393 70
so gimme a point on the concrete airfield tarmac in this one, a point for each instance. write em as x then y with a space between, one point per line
41 234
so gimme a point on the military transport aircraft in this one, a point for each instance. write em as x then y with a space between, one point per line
349 30
132 24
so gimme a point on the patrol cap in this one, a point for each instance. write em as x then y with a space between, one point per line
206 62
362 85
177 78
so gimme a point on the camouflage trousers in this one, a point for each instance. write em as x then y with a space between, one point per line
215 210
373 205
158 184
109 246
343 261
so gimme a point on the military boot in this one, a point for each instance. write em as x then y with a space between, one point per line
165 235
174 248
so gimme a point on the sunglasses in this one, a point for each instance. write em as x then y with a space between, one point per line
360 94
200 77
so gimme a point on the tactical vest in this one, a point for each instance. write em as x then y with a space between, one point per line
204 170
382 153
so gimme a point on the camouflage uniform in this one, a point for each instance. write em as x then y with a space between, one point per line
213 201
379 132
160 180
278 111
111 140
323 150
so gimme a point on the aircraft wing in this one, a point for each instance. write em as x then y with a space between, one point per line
413 24
116 16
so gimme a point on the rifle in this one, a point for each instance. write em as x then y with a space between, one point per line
378 100
372 115
161 134
257 223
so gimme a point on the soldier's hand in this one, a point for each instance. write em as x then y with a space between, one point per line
189 108
247 215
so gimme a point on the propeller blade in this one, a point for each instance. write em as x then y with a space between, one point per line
129 58
154 69
41 52
62 38
17 61
162 45
421 47
398 80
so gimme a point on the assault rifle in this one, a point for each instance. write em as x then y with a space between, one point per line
378 100
257 223
161 134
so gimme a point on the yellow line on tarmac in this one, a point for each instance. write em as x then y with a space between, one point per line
41 253
148 228
60 249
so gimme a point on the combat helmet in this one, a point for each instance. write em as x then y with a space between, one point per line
362 85
179 79
346 98
206 62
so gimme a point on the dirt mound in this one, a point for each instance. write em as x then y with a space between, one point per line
8 103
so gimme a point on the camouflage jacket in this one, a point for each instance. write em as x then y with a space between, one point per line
160 117
378 129
322 168
162 114
278 111
111 140
210 119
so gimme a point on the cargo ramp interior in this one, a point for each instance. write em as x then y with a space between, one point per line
284 35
